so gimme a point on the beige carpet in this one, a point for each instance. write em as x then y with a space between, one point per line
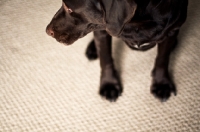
48 87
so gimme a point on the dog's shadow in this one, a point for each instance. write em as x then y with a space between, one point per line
186 31
191 21
118 53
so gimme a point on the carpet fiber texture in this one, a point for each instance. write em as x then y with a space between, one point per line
48 87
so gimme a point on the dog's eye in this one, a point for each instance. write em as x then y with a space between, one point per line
70 10
67 9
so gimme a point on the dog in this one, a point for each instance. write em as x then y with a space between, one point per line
141 24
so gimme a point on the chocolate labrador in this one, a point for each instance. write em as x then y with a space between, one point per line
141 24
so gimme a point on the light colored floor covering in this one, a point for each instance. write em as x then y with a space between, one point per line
48 87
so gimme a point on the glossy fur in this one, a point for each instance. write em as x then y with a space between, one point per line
141 24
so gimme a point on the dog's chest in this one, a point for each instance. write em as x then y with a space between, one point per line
140 40
142 47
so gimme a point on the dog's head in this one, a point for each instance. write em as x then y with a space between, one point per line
76 18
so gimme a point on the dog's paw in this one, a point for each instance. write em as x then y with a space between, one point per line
163 90
110 91
91 52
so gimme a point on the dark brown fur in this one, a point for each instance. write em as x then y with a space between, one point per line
141 24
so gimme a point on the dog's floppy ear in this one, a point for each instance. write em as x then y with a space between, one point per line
117 13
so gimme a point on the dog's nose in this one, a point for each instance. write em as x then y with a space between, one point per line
50 32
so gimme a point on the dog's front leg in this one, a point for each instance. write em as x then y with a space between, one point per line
110 86
162 84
